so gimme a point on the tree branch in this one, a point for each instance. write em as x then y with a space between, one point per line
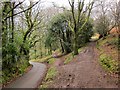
15 7
21 11
70 3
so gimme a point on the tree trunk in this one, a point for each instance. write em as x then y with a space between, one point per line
12 19
4 32
68 39
62 46
26 53
75 47
50 49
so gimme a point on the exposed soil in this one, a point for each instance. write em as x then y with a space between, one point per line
59 59
83 72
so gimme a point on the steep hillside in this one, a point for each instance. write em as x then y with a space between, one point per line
108 49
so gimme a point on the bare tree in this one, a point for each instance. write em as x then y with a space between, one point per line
115 10
102 21
108 9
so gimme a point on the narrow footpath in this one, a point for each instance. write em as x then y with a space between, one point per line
32 79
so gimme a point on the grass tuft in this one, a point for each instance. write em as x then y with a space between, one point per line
108 63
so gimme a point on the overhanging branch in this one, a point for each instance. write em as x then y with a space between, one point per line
21 11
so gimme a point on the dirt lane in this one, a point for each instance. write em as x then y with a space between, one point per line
84 72
31 79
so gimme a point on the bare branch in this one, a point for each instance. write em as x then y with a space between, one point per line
15 7
70 3
21 11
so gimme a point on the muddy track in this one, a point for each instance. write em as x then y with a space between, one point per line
84 72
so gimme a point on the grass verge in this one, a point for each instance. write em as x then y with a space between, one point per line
48 59
51 61
107 57
42 59
49 77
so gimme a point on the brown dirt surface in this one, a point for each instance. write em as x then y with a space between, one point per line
59 59
84 72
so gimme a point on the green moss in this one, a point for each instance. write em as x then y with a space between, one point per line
108 63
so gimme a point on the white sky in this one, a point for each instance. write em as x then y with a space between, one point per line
57 2
65 2
48 3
